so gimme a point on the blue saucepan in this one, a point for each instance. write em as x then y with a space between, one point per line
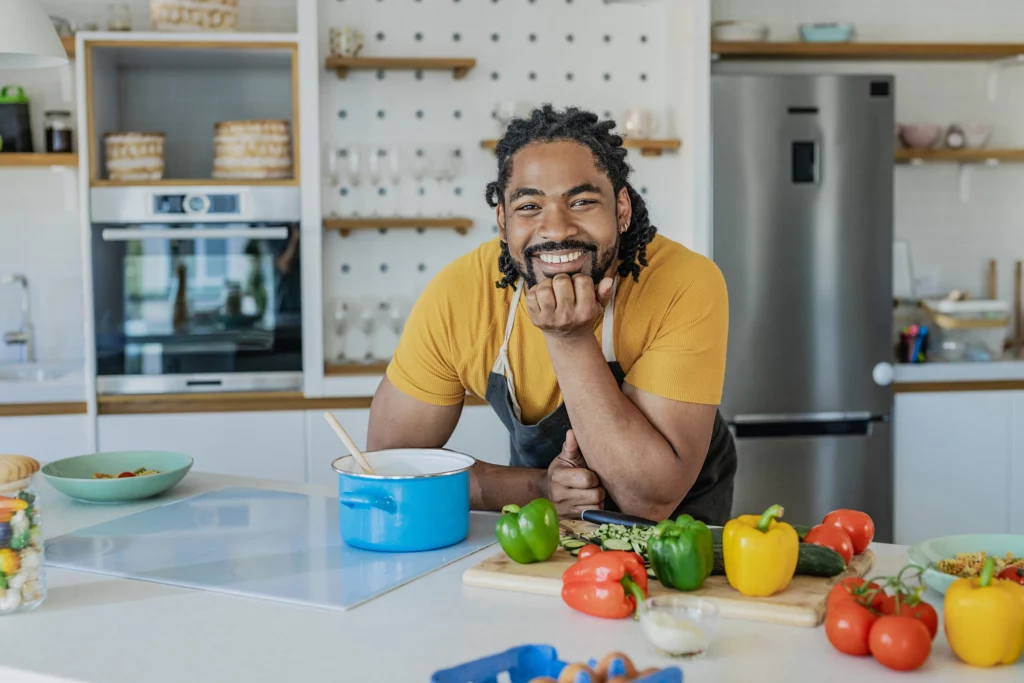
418 500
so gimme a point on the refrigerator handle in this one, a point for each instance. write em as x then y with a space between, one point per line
809 425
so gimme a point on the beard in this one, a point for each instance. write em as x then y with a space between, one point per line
599 263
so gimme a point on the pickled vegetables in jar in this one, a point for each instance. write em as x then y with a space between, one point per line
22 581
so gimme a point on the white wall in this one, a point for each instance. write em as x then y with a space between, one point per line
950 241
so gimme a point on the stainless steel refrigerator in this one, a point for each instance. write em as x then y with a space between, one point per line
803 213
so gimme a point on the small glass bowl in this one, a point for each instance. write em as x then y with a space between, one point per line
679 625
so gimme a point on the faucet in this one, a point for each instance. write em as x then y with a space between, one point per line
24 336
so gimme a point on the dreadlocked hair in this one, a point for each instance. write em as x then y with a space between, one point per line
575 125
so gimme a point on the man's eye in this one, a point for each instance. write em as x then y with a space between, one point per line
582 202
527 207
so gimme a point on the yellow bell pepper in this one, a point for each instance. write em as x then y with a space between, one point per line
10 562
760 553
984 618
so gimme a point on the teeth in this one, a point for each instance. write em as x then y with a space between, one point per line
563 258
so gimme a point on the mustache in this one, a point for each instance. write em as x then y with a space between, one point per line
564 245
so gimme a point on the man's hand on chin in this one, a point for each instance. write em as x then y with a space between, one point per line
570 485
565 306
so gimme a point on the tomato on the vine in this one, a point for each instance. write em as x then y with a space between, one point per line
901 643
848 627
125 475
841 593
856 523
832 537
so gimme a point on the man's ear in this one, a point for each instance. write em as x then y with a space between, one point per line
623 210
500 220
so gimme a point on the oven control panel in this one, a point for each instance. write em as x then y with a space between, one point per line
226 204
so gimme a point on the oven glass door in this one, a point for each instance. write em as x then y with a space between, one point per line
200 301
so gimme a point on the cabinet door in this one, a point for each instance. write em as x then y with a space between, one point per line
45 437
952 463
270 445
1016 479
479 433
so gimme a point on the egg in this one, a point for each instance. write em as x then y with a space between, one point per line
617 665
572 674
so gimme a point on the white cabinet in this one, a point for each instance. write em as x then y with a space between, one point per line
1016 479
45 437
271 445
479 433
958 458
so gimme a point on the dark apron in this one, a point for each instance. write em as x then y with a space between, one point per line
537 445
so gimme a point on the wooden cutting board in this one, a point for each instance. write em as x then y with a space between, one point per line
802 603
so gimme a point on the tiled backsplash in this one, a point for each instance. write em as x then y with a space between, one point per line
950 241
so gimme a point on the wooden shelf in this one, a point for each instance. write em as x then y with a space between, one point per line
69 46
647 147
39 159
867 51
342 65
204 182
346 370
346 225
958 156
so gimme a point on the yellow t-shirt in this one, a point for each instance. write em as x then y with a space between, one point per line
670 333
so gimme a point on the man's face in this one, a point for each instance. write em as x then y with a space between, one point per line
560 213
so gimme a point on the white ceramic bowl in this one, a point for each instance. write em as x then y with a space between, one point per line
739 31
679 625
976 135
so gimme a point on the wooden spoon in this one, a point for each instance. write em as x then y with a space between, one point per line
349 443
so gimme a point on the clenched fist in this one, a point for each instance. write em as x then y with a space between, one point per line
570 485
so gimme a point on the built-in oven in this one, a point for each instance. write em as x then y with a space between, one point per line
196 289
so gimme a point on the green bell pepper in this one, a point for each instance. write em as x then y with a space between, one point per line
681 553
528 534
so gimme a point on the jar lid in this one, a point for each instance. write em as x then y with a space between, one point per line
16 468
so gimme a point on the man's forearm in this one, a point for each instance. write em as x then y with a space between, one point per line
636 464
491 487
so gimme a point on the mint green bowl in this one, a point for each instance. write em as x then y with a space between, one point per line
73 476
927 553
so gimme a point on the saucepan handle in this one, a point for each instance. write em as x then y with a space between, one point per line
357 499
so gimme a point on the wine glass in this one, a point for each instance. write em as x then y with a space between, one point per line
344 320
394 172
375 162
332 177
419 166
372 312
399 307
354 157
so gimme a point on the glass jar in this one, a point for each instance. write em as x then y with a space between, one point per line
22 579
58 131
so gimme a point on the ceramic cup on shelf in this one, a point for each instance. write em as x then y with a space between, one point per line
346 41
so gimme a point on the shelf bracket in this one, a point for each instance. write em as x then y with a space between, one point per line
995 69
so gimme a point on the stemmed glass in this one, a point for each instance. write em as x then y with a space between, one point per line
345 313
447 166
355 164
394 172
419 166
372 313
332 176
399 307
375 162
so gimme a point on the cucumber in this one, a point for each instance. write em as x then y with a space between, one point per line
801 530
571 544
814 560
617 544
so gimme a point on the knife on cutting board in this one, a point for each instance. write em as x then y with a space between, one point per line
607 517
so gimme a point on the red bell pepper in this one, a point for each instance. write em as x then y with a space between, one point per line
608 584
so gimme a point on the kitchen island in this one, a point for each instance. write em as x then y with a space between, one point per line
99 629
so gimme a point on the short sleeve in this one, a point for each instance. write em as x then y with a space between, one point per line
424 365
685 359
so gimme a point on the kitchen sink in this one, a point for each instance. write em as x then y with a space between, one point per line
32 372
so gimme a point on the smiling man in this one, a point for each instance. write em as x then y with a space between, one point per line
600 344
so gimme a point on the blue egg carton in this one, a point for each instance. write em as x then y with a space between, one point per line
524 663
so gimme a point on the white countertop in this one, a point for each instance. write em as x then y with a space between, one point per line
60 383
103 630
997 371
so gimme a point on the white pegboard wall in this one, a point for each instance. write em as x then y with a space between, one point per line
607 58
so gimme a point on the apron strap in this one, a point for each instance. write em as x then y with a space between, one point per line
501 364
608 326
